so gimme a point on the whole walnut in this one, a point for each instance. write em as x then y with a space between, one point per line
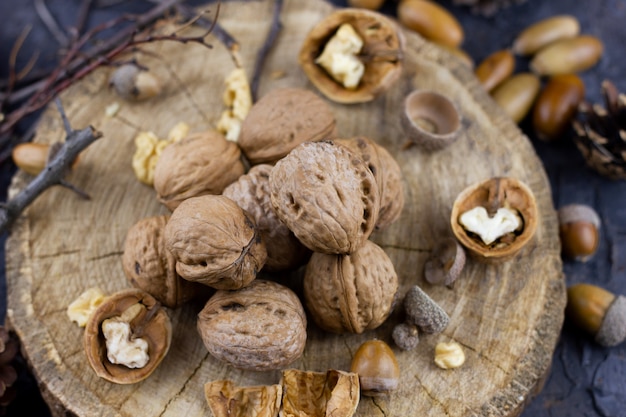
387 173
350 293
326 195
260 327
202 163
150 266
251 192
281 120
215 242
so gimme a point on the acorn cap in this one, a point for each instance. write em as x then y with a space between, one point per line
573 213
612 331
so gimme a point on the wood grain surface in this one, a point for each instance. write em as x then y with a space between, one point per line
507 317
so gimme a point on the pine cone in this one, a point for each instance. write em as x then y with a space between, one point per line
8 375
600 133
487 7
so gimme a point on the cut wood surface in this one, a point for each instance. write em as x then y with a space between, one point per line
507 317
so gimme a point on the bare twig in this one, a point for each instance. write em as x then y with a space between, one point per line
216 30
75 142
51 24
83 13
275 28
77 65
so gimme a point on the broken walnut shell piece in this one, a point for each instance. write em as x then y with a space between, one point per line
445 263
225 399
319 394
493 194
382 54
430 120
151 324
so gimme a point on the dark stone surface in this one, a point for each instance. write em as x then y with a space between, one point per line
586 379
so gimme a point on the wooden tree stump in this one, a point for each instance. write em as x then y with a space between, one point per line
506 317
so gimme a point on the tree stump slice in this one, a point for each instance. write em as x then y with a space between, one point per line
507 317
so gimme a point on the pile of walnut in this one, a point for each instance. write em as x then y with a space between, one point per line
309 198
287 193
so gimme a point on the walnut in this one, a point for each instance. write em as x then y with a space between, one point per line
260 327
215 242
202 163
326 196
381 55
142 317
387 173
350 293
319 394
150 266
251 192
227 400
283 119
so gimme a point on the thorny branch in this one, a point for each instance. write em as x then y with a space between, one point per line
54 172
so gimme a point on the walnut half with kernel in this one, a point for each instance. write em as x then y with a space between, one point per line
381 55
140 316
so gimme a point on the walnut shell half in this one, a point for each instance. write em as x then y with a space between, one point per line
202 163
351 293
152 324
260 327
493 194
150 266
225 399
326 195
281 120
215 242
382 54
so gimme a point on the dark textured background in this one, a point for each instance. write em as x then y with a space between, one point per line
586 380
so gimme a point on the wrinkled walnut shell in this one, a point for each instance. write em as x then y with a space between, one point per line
326 196
350 293
202 163
320 394
251 192
492 194
281 120
260 327
215 242
225 399
153 325
381 53
388 177
150 266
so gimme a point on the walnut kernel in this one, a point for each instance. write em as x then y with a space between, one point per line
81 308
449 355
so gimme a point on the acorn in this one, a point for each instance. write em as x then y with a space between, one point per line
579 231
377 367
134 83
599 312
